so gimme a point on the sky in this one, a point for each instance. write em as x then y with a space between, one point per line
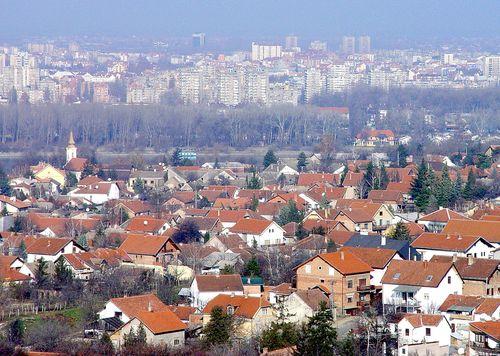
416 19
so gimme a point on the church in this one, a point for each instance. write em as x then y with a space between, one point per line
74 164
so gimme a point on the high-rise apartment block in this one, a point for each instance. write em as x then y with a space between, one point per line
364 44
261 52
491 68
291 42
198 39
318 46
314 83
348 44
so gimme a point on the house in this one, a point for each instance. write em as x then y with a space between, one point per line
303 304
437 220
45 172
147 225
50 249
258 232
381 241
377 258
375 138
98 193
150 250
484 338
381 215
252 314
151 179
13 270
410 286
342 274
228 218
308 179
481 276
355 220
206 225
226 242
391 198
484 228
424 334
206 287
119 311
162 327
13 205
430 244
82 265
52 226
76 165
130 208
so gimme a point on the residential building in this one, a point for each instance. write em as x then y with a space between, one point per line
261 51
364 44
484 338
348 45
50 249
204 288
259 232
423 334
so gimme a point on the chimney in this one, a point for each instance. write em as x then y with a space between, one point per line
383 240
426 264
150 307
454 259
342 255
326 213
470 260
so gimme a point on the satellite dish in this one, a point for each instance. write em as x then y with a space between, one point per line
461 351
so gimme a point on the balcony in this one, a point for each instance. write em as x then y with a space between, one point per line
365 288
482 348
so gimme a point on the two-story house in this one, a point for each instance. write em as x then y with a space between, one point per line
206 287
423 334
259 232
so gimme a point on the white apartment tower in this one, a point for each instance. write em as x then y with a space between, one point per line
261 52
491 67
314 83
364 44
348 44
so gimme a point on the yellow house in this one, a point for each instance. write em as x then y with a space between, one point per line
251 314
45 171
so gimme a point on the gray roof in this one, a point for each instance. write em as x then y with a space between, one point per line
403 247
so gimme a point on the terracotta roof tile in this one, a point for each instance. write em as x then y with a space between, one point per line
219 283
419 320
244 306
490 230
416 273
490 328
139 244
479 269
442 215
160 322
375 257
132 305
251 226
445 242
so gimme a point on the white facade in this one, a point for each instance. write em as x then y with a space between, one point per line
97 198
426 299
415 339
261 52
199 299
69 248
478 250
377 273
272 235
172 339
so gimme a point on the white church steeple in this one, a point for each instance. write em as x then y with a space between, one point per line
71 148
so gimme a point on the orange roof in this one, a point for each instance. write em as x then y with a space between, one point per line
138 244
145 224
445 242
442 215
132 305
251 226
489 230
419 320
244 306
403 187
490 328
307 179
343 261
416 273
161 322
76 164
219 283
89 180
232 215
375 257
352 179
47 246
381 196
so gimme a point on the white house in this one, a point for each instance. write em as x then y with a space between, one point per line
303 304
50 249
430 244
410 286
98 193
258 232
13 205
206 287
423 334
484 338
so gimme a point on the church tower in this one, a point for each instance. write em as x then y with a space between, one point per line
71 148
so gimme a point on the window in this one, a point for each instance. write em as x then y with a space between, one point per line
426 296
479 338
362 282
428 278
403 351
407 332
176 342
381 213
321 281
396 275
230 310
449 279
427 331
349 283
330 271
366 225
349 299
320 268
264 311
118 314
308 268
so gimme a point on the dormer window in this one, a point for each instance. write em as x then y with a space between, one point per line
230 310
428 278
396 275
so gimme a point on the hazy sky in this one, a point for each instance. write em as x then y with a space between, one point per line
417 19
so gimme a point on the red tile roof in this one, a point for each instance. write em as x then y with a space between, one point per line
442 215
139 244
47 246
446 242
375 257
219 283
416 273
244 306
490 230
419 320
490 328
344 262
251 226
76 164
161 322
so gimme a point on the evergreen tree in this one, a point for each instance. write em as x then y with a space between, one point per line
16 331
290 213
18 224
22 251
5 188
135 339
302 162
457 189
176 158
4 211
254 182
206 236
252 268
82 241
138 186
227 269
420 190
300 233
343 175
106 345
400 232
368 179
62 273
188 232
113 175
41 274
216 163
318 336
100 237
444 194
254 204
88 170
470 186
281 333
402 155
219 329
269 158
384 178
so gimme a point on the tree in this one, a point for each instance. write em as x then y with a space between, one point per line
402 153
300 233
71 180
290 213
187 232
457 189
384 178
62 274
88 170
4 211
219 329
318 336
138 186
420 189
254 182
302 162
254 204
17 226
16 331
5 188
444 189
100 237
368 179
227 269
206 236
216 163
269 158
82 241
41 274
400 232
135 339
203 203
470 186
281 333
176 158
22 251
252 268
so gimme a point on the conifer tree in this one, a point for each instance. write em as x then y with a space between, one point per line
269 158
384 178
219 329
318 336
302 162
470 186
420 190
